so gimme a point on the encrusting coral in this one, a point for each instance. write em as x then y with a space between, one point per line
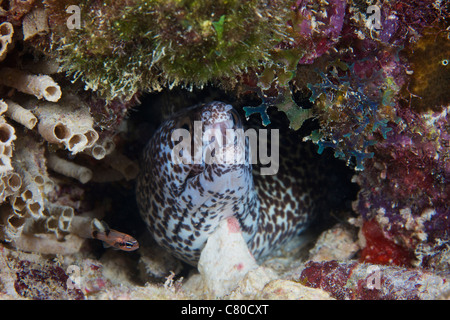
405 185
126 46
350 280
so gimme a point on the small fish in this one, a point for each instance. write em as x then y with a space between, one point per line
116 239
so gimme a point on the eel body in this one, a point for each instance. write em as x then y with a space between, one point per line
183 202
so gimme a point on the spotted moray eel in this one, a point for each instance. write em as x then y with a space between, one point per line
182 204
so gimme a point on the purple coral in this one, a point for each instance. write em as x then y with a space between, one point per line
44 282
330 276
402 21
402 150
317 26
405 186
360 281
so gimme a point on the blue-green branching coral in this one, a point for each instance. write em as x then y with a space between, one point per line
124 46
354 113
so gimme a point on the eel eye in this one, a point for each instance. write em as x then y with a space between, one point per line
206 115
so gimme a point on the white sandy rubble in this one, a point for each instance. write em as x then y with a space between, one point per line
337 243
228 270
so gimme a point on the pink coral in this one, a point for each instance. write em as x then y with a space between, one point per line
361 281
43 282
317 26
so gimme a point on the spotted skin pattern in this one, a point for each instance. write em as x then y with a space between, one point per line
182 204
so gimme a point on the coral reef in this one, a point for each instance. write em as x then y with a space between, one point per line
350 280
405 185
26 275
380 102
48 140
336 243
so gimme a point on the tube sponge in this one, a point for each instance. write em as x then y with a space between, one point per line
102 148
125 166
13 223
7 136
60 217
35 23
10 184
41 86
7 133
6 33
28 162
21 115
69 169
68 123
